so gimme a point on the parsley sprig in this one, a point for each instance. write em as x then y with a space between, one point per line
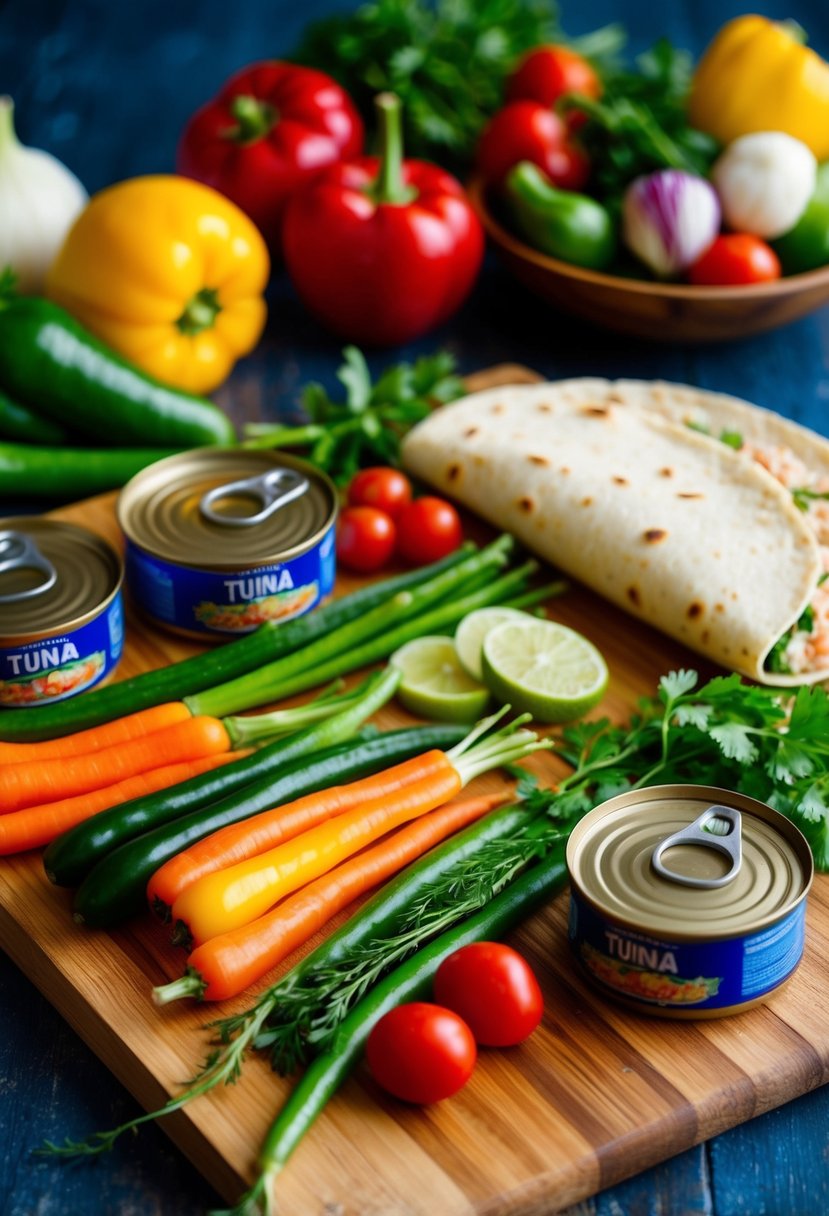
365 428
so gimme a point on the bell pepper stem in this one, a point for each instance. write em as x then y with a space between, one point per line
254 118
389 186
200 312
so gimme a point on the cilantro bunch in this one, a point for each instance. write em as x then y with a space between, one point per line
765 742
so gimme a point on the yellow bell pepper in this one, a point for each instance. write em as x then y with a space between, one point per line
170 274
757 75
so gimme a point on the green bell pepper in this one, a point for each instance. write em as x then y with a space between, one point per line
565 225
806 246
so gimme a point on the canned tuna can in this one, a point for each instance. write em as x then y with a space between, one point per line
688 901
220 541
61 613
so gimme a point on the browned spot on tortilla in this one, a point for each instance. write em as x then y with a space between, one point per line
689 494
621 481
744 650
587 502
497 409
632 593
596 411
719 607
705 637
479 461
666 472
615 398
716 553
541 460
734 595
453 472
564 470
471 430
654 535
544 408
695 609
526 504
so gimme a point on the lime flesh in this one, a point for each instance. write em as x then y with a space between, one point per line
470 634
434 683
544 668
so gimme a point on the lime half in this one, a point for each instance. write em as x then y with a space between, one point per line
545 668
434 684
470 634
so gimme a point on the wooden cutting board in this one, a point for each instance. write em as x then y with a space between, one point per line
596 1095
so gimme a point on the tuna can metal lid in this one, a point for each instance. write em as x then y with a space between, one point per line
176 509
53 576
610 856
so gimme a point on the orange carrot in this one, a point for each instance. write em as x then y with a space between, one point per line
38 825
229 898
260 832
26 785
145 722
226 965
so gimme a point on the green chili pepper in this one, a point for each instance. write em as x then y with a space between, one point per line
51 363
806 246
30 471
563 224
20 423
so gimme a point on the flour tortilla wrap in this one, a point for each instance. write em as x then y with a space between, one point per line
607 482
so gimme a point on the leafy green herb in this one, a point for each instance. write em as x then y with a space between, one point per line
640 125
802 497
447 61
732 439
365 428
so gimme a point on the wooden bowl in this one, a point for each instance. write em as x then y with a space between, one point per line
663 312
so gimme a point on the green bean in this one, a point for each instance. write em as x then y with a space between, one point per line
409 982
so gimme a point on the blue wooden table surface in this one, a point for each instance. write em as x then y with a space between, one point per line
107 88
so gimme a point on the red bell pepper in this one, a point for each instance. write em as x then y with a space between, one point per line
382 250
270 129
528 130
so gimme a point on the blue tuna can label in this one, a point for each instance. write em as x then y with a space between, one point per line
61 611
687 901
204 601
686 975
220 541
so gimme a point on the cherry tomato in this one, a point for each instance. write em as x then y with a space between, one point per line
548 72
365 538
526 130
735 259
420 1052
428 529
494 990
387 489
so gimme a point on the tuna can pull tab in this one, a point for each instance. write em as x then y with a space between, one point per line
269 491
19 552
716 831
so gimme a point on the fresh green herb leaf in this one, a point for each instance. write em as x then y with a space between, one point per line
802 497
367 427
732 439
640 123
447 61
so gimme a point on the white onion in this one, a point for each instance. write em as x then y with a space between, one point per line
39 200
764 181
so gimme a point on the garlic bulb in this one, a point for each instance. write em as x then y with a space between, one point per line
764 181
39 199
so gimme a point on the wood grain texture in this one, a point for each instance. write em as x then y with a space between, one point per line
595 1096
